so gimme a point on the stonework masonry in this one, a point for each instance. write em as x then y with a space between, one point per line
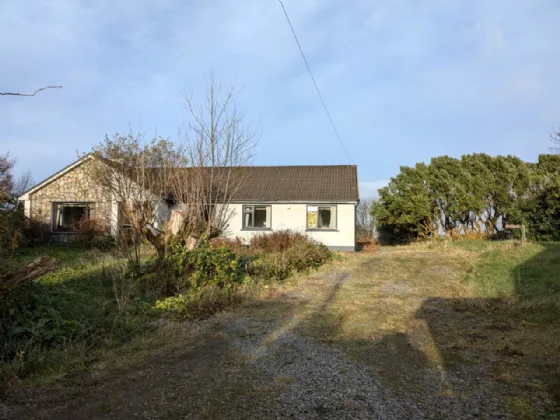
77 185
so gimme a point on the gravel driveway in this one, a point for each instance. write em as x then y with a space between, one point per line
286 356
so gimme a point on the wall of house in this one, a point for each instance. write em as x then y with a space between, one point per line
294 217
76 185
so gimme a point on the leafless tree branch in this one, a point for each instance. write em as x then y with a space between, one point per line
555 141
30 94
365 222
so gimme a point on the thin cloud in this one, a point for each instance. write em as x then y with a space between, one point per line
404 81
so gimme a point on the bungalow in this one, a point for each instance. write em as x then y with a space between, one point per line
318 200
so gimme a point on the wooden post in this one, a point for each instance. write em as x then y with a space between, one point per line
523 232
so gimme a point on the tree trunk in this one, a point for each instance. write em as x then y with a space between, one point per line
157 238
31 271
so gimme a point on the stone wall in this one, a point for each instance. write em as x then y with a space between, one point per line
77 185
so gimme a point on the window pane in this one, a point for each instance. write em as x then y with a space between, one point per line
327 217
260 217
312 217
324 217
68 216
248 220
333 217
268 217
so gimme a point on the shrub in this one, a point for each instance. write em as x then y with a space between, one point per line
37 231
277 241
367 245
279 266
93 234
103 243
26 319
202 266
199 303
308 255
274 267
11 225
236 244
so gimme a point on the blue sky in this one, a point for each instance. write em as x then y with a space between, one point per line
404 80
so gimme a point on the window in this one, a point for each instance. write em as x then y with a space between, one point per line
321 217
256 217
124 219
68 217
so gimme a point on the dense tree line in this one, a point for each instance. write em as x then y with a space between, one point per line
476 195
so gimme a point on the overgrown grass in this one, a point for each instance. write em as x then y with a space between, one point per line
92 302
49 325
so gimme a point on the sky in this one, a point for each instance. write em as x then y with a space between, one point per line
404 80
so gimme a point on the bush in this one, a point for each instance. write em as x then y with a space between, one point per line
279 266
37 231
236 244
274 267
308 255
28 320
203 265
11 225
277 241
93 234
367 245
199 303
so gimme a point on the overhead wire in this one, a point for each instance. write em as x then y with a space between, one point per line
315 83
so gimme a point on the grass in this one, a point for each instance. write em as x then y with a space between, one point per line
65 313
481 311
443 306
92 303
527 276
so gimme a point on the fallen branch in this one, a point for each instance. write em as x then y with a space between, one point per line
31 271
30 94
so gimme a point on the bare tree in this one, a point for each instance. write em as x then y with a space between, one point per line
365 222
30 94
24 182
196 176
133 174
217 146
555 140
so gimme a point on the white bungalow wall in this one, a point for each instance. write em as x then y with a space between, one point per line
294 217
